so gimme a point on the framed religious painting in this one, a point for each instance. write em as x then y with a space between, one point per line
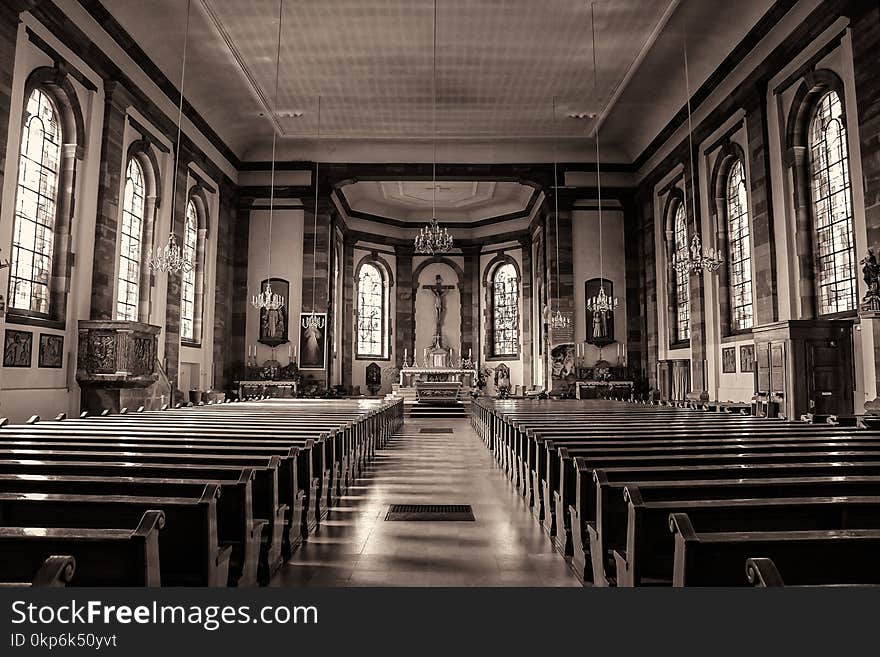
273 323
51 351
747 358
312 341
599 324
728 360
17 348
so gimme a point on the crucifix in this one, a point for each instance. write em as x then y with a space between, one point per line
439 290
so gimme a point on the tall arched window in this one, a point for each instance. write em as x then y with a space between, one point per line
832 208
505 311
738 249
682 315
188 284
371 312
130 241
33 237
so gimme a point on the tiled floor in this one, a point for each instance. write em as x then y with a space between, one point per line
357 547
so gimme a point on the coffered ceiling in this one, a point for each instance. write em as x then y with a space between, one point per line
499 65
455 201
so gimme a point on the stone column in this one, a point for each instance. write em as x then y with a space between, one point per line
117 100
865 30
235 359
316 270
348 292
404 321
173 297
525 286
766 306
697 299
470 301
10 18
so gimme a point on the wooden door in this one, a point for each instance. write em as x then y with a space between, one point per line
829 377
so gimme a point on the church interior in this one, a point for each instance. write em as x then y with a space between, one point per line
334 293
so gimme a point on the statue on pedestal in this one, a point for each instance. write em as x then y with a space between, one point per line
871 276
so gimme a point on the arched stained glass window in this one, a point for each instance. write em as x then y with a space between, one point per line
505 311
33 237
682 283
832 208
188 284
130 239
739 249
371 311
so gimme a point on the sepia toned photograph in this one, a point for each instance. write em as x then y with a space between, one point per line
316 295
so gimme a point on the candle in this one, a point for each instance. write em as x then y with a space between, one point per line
405 354
469 353
289 350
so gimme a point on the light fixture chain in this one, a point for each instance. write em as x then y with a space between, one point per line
315 225
179 117
274 141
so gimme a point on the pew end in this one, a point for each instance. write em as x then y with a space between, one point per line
762 573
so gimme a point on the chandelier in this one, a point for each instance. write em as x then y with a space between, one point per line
698 260
313 321
170 259
266 299
433 239
558 319
602 303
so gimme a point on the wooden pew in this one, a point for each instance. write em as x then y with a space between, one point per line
772 505
189 550
812 557
236 527
56 572
104 557
268 469
601 505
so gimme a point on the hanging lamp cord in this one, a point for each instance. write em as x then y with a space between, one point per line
434 118
315 226
179 118
274 141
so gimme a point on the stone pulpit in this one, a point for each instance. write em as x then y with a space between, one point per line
116 363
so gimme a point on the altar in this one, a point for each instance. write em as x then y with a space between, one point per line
410 376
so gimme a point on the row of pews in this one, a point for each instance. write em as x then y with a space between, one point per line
640 495
211 495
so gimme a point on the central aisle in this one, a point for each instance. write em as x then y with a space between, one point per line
357 547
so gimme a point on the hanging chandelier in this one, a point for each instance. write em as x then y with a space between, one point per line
558 319
433 238
699 260
170 258
601 303
313 320
267 299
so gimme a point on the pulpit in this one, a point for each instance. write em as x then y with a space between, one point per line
116 363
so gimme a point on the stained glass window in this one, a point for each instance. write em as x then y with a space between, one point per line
131 235
832 208
739 255
371 312
33 239
188 285
681 280
505 311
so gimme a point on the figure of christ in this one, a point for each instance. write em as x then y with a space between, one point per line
439 290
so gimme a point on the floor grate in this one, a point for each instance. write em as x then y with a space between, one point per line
435 430
431 512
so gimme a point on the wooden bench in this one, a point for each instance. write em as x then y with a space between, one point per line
815 557
56 572
190 553
236 527
647 557
104 557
